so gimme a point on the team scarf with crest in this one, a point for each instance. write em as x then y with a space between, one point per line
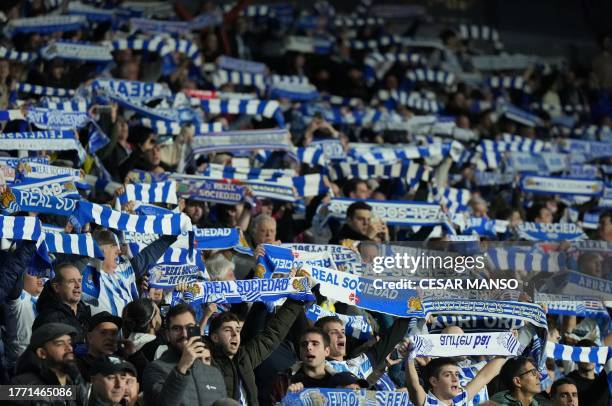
245 290
16 200
394 212
166 276
221 239
316 396
561 186
281 261
213 191
52 140
48 119
550 232
345 258
452 345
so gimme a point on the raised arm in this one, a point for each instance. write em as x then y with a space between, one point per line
484 376
415 390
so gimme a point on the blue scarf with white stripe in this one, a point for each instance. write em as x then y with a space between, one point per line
44 24
561 186
157 192
77 50
76 244
355 326
220 239
52 140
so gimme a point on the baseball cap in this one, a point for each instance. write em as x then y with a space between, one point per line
48 332
346 378
109 364
104 317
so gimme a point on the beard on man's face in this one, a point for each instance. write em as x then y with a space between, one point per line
66 365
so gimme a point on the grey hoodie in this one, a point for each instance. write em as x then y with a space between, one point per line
164 385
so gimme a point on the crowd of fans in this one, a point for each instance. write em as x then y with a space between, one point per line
131 343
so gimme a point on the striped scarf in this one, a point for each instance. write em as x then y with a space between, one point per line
168 224
43 90
44 24
77 50
43 140
413 100
158 192
162 127
265 108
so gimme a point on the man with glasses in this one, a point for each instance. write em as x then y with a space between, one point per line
522 379
181 375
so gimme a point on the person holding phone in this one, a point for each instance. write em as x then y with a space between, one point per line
181 375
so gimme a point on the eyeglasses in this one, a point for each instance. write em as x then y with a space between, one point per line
179 329
533 372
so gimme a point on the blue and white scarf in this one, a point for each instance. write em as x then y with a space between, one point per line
13 55
520 116
92 13
413 100
47 119
212 191
431 76
131 89
218 171
21 228
160 26
543 162
596 355
508 82
77 51
75 244
348 397
281 261
550 232
344 258
237 77
455 199
354 326
561 186
445 345
359 291
272 139
220 239
43 140
265 108
16 200
162 127
570 305
309 45
394 212
75 105
168 276
411 172
377 64
509 258
158 192
475 324
480 32
310 155
44 24
226 62
591 149
43 90
380 42
57 185
34 170
169 224
245 290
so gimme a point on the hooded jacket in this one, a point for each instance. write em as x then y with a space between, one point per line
33 371
51 309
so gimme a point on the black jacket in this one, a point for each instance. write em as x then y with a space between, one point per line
52 310
13 265
254 352
32 371
347 233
